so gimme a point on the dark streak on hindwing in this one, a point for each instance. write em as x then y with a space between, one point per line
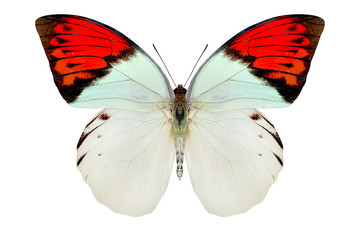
274 135
279 159
255 117
103 117
268 122
91 122
83 137
80 159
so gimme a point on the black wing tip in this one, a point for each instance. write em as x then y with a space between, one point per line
53 17
312 19
299 15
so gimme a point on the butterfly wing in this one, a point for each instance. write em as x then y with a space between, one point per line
233 152
263 66
126 158
233 158
125 154
96 66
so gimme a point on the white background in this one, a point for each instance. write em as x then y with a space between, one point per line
42 195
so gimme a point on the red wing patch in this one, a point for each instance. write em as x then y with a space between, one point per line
279 51
80 50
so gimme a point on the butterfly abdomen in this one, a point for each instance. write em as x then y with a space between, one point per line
180 124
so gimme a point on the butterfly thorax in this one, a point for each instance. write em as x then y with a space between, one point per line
179 113
180 123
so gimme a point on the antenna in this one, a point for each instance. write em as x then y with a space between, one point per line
164 65
196 64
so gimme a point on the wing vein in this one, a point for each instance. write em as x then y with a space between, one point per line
130 78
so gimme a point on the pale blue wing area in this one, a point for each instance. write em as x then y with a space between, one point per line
136 84
222 84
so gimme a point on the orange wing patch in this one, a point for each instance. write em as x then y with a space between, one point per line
80 50
279 51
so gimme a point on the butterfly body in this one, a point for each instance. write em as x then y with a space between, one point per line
233 152
180 124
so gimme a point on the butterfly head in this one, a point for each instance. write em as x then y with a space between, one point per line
180 90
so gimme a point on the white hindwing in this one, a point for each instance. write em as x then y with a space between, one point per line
126 158
233 158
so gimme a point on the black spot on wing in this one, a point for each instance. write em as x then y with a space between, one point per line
71 65
61 40
104 116
292 28
67 27
66 51
288 65
255 116
299 40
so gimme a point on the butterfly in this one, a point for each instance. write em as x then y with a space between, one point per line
126 153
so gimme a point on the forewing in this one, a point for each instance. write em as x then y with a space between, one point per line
96 66
263 66
233 158
126 158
